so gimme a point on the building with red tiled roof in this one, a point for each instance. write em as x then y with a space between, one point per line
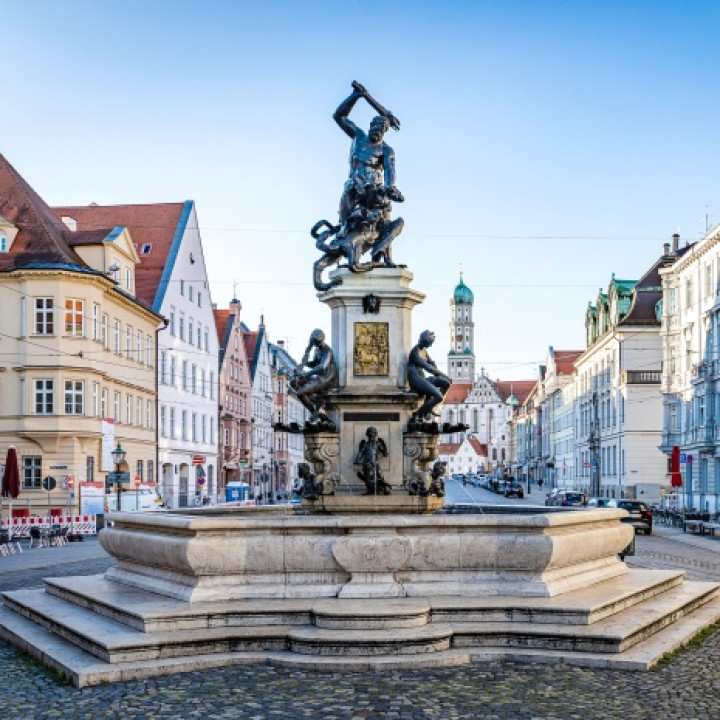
81 344
235 400
172 278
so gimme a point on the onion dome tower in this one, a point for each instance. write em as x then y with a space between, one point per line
461 358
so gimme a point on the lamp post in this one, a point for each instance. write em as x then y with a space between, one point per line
118 455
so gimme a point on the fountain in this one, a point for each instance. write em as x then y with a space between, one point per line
371 571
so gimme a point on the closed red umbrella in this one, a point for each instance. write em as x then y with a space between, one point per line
10 487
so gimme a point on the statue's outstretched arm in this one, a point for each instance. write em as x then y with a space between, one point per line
341 114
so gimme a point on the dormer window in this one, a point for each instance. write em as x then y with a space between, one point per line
3 242
146 248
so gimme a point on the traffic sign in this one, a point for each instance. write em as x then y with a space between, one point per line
683 458
49 483
137 481
70 482
689 458
198 459
201 480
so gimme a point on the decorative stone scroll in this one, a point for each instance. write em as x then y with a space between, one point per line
419 450
322 450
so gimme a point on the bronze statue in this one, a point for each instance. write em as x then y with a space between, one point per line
437 474
315 375
432 389
368 194
372 448
310 489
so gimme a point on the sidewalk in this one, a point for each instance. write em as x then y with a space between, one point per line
47 557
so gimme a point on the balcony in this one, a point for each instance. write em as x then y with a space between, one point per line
642 377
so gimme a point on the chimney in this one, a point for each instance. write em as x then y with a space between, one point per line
666 248
281 344
675 242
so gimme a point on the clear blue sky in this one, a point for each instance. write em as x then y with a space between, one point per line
544 145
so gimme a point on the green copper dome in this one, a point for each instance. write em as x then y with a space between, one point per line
463 294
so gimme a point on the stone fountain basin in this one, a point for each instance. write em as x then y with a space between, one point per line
210 555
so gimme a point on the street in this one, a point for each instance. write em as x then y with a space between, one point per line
683 689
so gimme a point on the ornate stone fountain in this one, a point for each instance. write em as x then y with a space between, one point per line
372 571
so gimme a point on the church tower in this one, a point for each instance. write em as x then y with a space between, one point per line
461 358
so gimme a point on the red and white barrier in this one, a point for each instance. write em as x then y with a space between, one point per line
78 524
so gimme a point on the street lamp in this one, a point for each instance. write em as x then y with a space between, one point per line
118 455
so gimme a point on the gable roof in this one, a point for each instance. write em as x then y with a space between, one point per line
41 238
480 448
252 349
520 388
159 225
448 448
565 361
457 393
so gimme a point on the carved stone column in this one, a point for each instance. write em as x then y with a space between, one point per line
419 451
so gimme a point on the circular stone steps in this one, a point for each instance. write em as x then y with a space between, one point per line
371 615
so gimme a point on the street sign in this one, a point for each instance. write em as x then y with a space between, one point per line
201 480
595 462
70 482
137 481
683 458
198 459
689 458
49 483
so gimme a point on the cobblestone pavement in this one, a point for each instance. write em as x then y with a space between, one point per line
686 688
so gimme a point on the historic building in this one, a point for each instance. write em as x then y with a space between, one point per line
691 371
171 277
234 396
77 369
257 349
618 404
485 405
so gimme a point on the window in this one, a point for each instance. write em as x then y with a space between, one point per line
96 322
90 469
199 299
203 389
148 414
199 337
116 407
146 248
95 399
708 280
128 342
212 431
139 412
182 288
194 428
128 409
150 472
203 429
44 316
44 397
149 357
74 310
128 279
32 472
191 327
184 428
193 379
3 243
671 300
212 385
172 321
184 375
207 341
181 327
104 331
139 346
163 421
139 469
688 292
116 338
103 403
172 423
163 367
190 293
74 397
172 371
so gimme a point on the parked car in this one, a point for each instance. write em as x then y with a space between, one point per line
571 498
551 498
639 514
514 488
599 502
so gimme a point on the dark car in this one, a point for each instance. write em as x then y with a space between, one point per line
640 515
514 489
571 498
599 502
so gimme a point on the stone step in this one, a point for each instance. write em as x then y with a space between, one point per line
578 607
333 613
368 642
114 642
613 634
149 612
85 670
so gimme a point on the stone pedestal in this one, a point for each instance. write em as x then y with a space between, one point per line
371 339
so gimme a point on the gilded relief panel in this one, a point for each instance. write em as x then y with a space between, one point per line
371 349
